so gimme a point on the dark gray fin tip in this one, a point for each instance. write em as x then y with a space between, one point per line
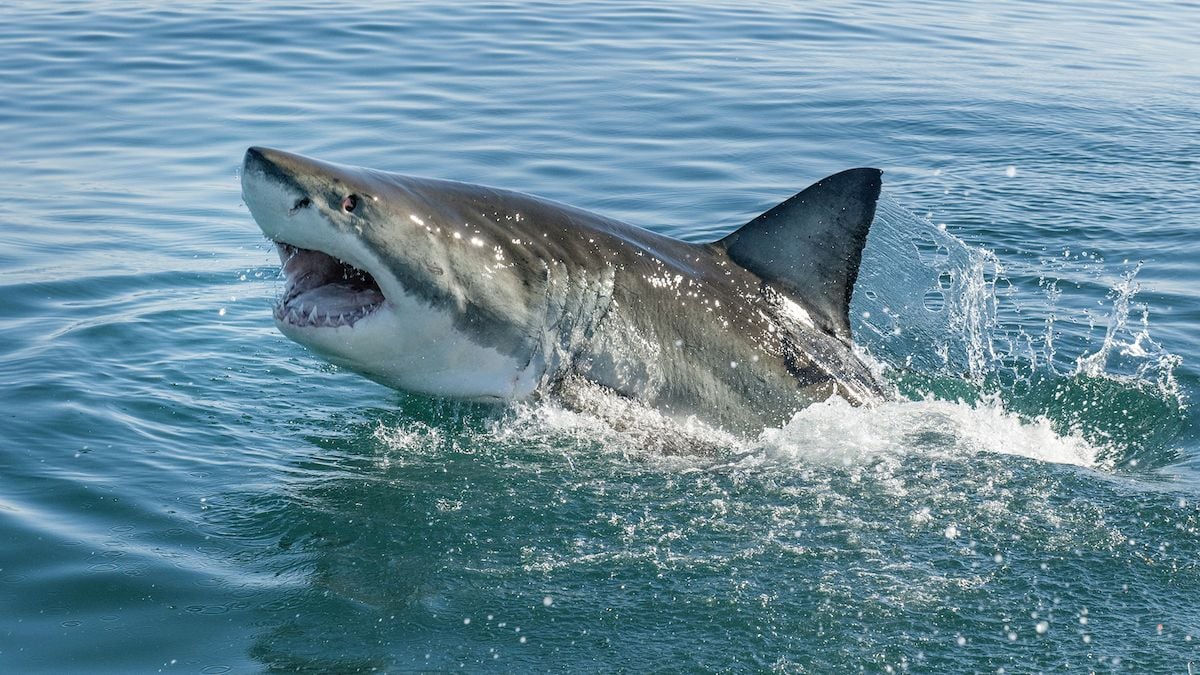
810 246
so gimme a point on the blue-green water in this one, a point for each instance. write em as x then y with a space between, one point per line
183 489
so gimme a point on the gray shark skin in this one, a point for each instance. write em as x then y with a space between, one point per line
471 292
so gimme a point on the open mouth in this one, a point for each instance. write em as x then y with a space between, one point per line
323 291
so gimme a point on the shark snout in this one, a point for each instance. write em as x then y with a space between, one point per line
267 163
286 165
255 154
257 159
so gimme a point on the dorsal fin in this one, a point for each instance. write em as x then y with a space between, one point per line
810 246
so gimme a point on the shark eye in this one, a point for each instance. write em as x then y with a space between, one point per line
349 203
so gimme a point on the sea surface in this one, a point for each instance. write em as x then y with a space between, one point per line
182 489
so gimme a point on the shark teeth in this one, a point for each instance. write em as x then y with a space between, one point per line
306 316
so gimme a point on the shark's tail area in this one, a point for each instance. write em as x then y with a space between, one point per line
810 246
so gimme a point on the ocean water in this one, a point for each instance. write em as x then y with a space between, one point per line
184 490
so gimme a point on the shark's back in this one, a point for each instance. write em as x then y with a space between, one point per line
745 330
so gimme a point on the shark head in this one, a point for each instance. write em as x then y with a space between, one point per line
399 278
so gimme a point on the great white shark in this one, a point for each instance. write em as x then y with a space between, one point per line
472 292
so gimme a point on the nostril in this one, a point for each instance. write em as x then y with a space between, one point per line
301 203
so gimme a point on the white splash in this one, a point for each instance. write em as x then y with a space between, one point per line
830 433
835 432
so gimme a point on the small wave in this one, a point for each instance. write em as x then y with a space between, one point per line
835 432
